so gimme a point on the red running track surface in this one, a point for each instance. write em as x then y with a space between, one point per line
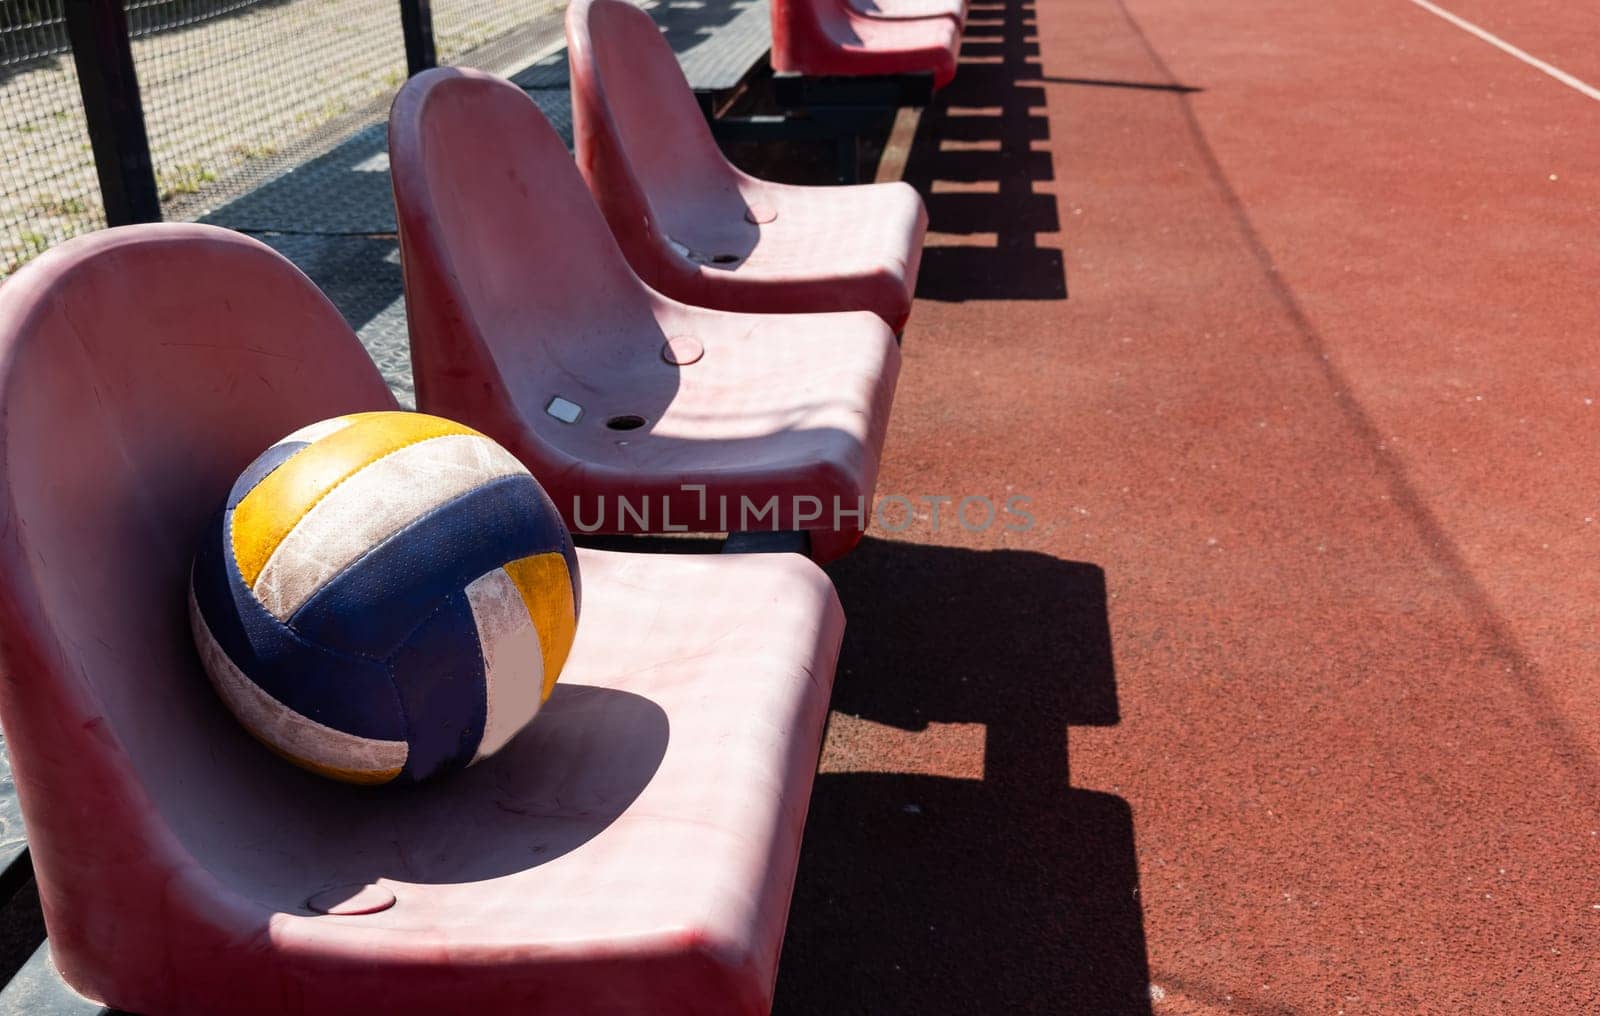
1287 702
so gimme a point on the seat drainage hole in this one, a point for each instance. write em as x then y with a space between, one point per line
352 900
627 421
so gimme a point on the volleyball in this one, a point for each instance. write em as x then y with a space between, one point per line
385 597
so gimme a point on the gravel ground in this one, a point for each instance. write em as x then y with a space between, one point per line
227 101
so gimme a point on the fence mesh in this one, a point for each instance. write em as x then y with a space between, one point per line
48 187
485 33
234 92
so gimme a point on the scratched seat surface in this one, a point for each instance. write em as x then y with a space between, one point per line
632 850
698 229
528 323
903 9
820 38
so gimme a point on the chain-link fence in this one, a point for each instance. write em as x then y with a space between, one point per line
234 92
487 32
48 188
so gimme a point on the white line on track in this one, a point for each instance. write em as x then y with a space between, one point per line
1498 43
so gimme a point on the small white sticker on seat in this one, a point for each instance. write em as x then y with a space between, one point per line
564 410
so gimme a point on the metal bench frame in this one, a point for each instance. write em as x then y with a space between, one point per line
837 109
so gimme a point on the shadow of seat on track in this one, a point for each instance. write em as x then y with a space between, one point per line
971 876
977 153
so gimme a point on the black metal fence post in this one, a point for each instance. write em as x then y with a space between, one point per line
103 53
416 21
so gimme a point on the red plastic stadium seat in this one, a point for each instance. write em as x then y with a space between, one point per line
528 324
819 38
696 228
633 850
902 9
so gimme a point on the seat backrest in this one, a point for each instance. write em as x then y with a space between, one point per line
511 272
806 32
140 370
639 136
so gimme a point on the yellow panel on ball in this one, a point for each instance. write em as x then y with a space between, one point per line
546 587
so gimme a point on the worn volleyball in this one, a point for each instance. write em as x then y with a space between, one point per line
385 597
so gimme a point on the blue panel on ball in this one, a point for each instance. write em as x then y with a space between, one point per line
261 468
439 675
374 604
341 691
